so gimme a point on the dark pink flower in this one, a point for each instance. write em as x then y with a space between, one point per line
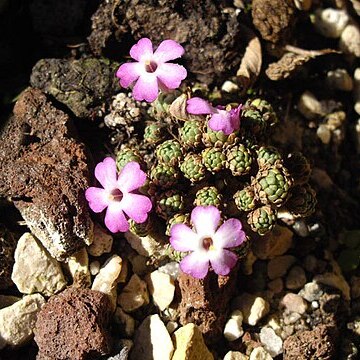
117 195
152 70
221 119
207 242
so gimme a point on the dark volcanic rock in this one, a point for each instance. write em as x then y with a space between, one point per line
211 36
319 343
82 85
73 325
205 302
44 171
7 249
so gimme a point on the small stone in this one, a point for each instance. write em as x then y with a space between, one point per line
171 326
144 245
95 267
356 92
152 341
162 288
272 343
339 79
248 262
309 106
259 353
303 5
310 263
350 40
276 285
291 318
74 324
331 22
324 133
235 355
273 244
278 266
78 264
102 242
189 344
171 268
229 87
233 328
252 307
17 321
296 278
35 270
294 303
300 227
311 291
321 343
106 280
336 281
126 321
123 347
139 264
134 294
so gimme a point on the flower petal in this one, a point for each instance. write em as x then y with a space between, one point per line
195 265
182 238
198 106
106 173
115 219
131 177
223 262
235 118
168 50
171 75
146 88
128 73
97 198
221 122
229 234
136 207
143 49
205 219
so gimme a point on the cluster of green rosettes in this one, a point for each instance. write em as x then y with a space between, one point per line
238 173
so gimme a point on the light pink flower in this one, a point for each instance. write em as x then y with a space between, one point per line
118 194
152 70
207 242
221 119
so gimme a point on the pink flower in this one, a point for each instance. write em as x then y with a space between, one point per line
221 119
152 70
207 242
118 194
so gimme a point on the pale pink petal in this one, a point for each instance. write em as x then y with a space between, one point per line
143 49
106 173
229 234
221 122
235 118
198 106
115 219
168 50
171 75
195 265
182 238
223 262
205 219
146 88
98 199
129 72
136 206
131 177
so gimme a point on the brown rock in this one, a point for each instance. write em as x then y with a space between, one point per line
205 302
319 343
44 170
73 325
273 18
7 249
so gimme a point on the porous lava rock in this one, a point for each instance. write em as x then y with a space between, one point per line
274 19
74 325
205 302
82 85
210 34
7 249
319 343
44 170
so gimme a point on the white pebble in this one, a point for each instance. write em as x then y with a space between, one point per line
272 343
233 328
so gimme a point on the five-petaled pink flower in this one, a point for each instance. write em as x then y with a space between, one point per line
221 119
152 70
118 194
207 242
